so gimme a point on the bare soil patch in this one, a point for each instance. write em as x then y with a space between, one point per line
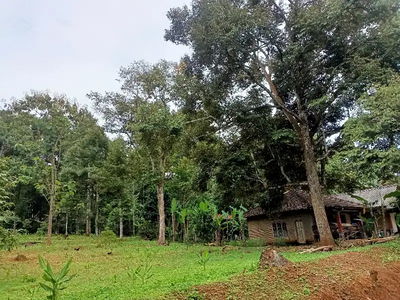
348 276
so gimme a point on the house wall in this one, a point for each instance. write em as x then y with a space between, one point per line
261 227
389 224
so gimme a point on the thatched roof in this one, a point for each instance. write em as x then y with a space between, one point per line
374 196
300 200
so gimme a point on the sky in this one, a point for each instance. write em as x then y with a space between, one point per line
77 46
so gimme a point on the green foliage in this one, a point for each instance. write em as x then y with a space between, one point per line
8 239
280 242
142 273
31 292
108 239
203 258
147 230
57 281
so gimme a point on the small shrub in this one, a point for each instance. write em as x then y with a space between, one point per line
8 239
203 258
56 280
280 242
147 230
42 230
256 243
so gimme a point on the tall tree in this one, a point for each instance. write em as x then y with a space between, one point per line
309 59
368 154
50 125
141 113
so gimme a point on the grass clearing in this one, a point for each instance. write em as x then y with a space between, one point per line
297 257
103 276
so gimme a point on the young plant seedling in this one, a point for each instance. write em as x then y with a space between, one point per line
203 258
57 281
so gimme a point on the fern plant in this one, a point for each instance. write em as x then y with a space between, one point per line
57 281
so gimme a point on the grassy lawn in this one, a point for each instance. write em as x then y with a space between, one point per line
297 257
100 275
103 276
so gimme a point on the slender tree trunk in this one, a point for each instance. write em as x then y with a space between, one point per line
121 220
383 217
52 200
317 202
160 196
161 212
77 222
134 215
66 223
88 211
96 218
121 226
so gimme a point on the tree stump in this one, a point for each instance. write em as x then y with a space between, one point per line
271 258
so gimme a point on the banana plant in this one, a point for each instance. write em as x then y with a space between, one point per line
57 281
394 194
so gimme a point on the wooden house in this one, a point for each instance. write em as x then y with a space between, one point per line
294 222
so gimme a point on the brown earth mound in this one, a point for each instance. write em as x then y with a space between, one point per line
20 257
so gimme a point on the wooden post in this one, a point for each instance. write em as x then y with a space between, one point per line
339 224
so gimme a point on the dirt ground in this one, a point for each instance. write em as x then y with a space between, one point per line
369 275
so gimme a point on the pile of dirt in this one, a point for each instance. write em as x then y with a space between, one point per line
20 257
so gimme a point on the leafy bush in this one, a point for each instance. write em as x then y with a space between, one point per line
256 243
8 239
280 242
42 230
147 230
56 280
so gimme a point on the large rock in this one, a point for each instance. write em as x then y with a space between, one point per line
271 258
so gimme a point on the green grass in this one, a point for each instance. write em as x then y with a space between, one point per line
103 276
296 257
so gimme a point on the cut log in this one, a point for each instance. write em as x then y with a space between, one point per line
323 248
271 258
383 240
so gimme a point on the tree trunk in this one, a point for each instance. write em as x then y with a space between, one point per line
96 218
52 200
161 212
383 217
133 215
66 223
121 220
317 202
121 226
88 211
161 208
300 125
77 222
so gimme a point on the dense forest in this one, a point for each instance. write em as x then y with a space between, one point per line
303 94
